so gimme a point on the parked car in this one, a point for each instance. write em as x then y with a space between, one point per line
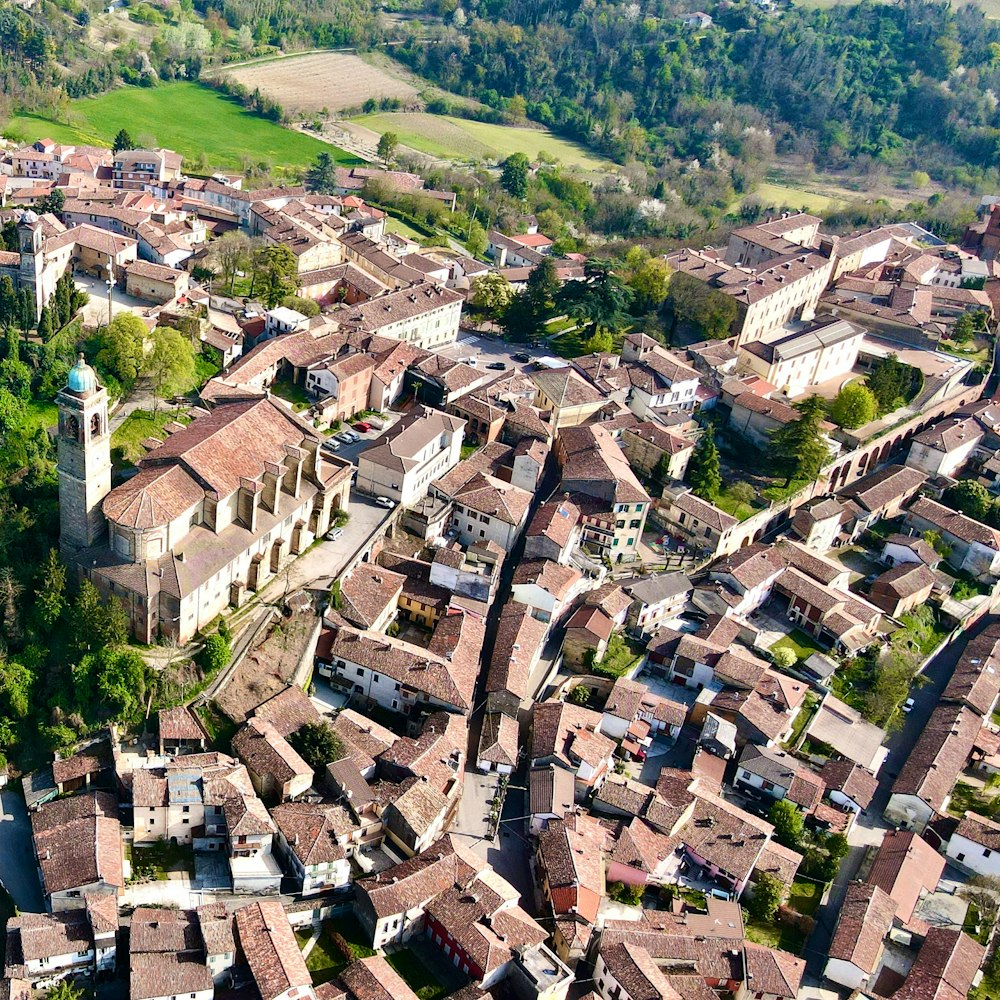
334 534
385 502
353 436
497 366
908 706
363 427
330 444
345 436
472 362
522 356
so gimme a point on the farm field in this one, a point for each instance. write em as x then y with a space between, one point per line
461 139
333 80
781 196
187 117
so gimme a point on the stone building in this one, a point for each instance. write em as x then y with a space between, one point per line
214 512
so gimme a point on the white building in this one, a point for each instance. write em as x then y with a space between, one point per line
944 448
405 459
975 845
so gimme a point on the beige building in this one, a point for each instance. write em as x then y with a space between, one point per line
646 444
751 246
154 282
568 396
214 512
768 296
793 362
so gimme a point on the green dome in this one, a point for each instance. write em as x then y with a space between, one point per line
82 378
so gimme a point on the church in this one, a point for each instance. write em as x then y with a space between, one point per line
213 513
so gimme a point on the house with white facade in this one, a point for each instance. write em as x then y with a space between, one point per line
945 447
855 954
546 587
975 845
403 461
308 841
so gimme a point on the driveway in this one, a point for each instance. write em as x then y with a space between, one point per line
95 311
18 871
323 563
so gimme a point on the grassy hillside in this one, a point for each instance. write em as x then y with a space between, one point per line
462 139
186 117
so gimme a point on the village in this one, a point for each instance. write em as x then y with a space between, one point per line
658 671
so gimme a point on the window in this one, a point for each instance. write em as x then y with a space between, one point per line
986 852
375 678
635 524
708 532
186 809
359 672
959 857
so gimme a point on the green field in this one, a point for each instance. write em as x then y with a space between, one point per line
185 117
781 196
462 139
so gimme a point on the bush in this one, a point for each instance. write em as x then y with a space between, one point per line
768 891
784 657
630 895
580 695
216 653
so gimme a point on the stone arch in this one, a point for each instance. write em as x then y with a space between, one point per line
95 425
758 534
885 452
745 542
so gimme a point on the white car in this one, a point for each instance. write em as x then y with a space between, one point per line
334 534
385 502
908 705
330 444
345 436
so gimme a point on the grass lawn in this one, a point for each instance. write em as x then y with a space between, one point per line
786 196
808 710
293 393
428 983
805 897
800 643
621 656
775 936
204 369
126 442
398 226
163 857
325 960
183 116
462 139
967 797
42 414
220 728
736 508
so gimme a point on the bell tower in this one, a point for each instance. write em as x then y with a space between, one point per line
31 240
84 458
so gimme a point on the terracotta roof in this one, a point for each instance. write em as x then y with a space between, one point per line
950 433
853 780
772 971
950 522
571 851
568 733
375 979
550 790
866 917
593 620
945 968
878 489
780 861
939 755
904 867
519 639
637 974
752 566
499 740
552 577
271 949
708 514
903 581
367 591
397 446
288 711
980 830
178 724
976 678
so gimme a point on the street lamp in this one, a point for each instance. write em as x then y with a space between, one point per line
110 282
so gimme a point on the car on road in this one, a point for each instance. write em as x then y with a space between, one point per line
908 705
346 436
385 502
522 356
334 534
497 366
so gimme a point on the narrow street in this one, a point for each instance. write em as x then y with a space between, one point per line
871 826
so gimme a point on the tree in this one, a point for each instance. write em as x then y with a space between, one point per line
276 273
799 447
121 350
787 821
703 471
321 177
8 303
122 141
854 406
742 493
651 283
307 307
53 202
937 543
768 892
388 142
476 242
599 342
601 302
50 594
215 653
708 310
491 293
65 989
45 330
231 253
964 328
121 683
784 657
891 381
969 497
580 695
317 744
97 624
170 365
514 175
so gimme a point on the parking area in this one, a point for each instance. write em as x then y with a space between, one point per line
488 351
350 450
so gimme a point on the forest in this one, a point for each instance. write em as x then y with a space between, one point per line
879 86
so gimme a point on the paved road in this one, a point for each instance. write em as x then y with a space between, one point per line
17 859
871 826
488 350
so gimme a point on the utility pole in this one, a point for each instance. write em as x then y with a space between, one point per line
110 284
